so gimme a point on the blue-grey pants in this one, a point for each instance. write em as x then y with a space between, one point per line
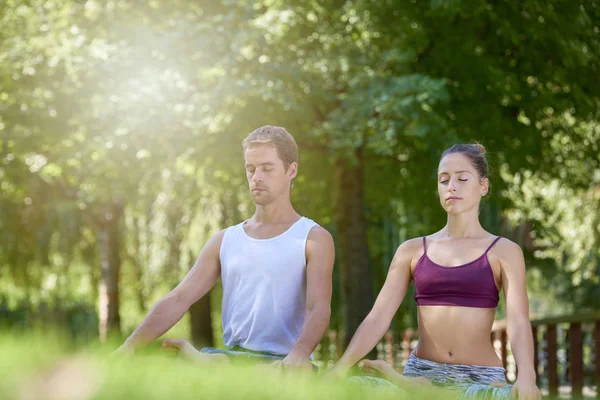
250 355
240 352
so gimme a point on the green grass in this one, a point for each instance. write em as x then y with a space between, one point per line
47 367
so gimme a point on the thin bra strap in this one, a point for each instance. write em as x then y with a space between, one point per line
424 245
493 243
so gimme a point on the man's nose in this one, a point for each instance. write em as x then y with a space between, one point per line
257 177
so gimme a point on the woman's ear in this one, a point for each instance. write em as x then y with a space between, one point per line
485 186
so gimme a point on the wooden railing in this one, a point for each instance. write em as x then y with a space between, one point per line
566 351
395 349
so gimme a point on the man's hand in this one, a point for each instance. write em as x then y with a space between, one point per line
180 346
190 353
295 361
526 390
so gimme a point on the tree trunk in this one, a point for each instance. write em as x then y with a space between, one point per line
137 267
200 316
109 246
352 247
200 323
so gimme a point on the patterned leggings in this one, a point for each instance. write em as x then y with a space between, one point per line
471 381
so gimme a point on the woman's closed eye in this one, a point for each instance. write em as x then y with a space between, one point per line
445 181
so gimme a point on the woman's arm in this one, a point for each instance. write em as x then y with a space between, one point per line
517 310
377 323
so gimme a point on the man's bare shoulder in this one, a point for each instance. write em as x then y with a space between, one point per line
214 243
320 234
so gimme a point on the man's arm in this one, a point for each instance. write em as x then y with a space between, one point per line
320 254
168 310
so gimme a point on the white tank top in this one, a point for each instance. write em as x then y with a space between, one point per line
264 288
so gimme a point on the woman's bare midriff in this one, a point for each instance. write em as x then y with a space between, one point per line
456 335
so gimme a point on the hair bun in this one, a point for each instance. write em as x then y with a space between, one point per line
479 147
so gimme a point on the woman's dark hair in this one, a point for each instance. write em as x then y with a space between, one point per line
475 152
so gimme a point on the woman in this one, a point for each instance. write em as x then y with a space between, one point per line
458 273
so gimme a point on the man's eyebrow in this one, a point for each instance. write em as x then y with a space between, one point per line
265 163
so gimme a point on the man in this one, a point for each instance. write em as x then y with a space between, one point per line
276 270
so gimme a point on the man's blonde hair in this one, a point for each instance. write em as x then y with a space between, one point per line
278 137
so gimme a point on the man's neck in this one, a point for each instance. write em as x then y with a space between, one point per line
276 212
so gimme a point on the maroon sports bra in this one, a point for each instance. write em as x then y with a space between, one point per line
467 285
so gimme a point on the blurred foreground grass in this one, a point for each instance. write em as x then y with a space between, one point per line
47 367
